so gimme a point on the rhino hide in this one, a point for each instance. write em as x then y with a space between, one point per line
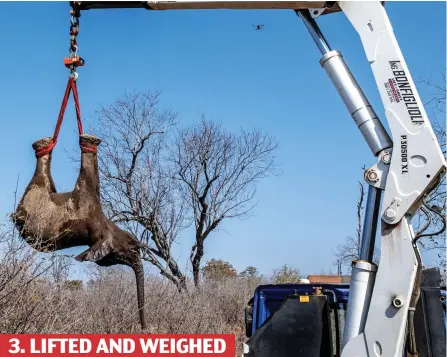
51 221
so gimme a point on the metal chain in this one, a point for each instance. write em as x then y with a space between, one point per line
74 31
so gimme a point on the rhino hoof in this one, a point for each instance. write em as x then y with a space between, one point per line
90 139
41 143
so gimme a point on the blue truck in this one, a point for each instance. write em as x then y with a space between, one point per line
307 319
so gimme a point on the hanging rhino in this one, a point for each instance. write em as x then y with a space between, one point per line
51 221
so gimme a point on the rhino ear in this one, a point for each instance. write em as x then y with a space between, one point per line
95 253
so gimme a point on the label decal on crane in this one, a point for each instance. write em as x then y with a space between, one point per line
399 90
393 93
404 153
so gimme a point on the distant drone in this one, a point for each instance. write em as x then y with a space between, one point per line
258 27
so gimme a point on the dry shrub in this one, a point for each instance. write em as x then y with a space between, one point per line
36 297
32 289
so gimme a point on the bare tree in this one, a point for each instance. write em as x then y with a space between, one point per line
137 190
217 172
155 187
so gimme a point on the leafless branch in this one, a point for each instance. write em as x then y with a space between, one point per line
217 173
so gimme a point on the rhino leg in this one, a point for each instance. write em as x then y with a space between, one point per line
42 175
99 251
87 184
40 187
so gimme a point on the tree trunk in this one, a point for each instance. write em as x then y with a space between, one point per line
181 285
179 280
196 262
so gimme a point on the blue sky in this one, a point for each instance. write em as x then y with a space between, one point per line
214 62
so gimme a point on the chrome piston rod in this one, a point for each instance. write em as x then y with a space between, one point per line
363 270
355 101
370 221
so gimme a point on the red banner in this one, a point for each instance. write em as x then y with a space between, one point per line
117 345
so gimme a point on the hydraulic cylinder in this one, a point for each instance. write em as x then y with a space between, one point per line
363 270
350 92
360 291
355 101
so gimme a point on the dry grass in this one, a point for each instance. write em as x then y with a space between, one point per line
35 298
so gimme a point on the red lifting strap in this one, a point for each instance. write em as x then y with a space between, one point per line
71 86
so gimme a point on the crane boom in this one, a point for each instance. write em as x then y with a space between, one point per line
328 6
409 165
